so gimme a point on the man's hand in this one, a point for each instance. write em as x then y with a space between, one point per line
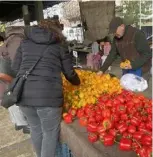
128 67
99 73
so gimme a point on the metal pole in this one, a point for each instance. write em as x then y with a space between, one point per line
26 16
81 18
39 10
140 15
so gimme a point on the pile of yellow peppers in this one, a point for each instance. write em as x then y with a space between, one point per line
91 88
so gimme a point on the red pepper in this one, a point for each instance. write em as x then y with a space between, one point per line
116 102
92 137
144 118
124 117
129 135
142 152
115 117
113 109
135 146
121 109
146 143
129 106
149 125
138 115
150 118
107 124
149 151
101 135
125 135
113 132
146 140
91 120
133 111
108 140
125 144
143 130
137 135
100 129
131 129
135 121
121 99
142 125
92 113
80 113
98 110
122 128
109 103
106 113
92 127
149 110
72 111
98 118
83 121
128 121
68 118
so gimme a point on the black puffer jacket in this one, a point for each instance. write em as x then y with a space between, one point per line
44 86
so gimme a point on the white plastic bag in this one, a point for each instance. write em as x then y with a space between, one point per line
133 82
17 116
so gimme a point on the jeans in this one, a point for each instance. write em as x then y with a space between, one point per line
44 128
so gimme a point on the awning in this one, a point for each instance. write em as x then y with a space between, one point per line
12 10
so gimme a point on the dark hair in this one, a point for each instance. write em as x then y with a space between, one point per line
54 26
1 38
105 39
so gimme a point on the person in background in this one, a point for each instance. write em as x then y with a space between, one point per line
95 47
132 45
92 62
13 37
105 47
42 97
1 40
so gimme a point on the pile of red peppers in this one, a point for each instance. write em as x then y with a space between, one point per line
125 119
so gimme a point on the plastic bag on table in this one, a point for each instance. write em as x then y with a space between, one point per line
133 82
17 116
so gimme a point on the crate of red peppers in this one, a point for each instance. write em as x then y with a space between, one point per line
125 119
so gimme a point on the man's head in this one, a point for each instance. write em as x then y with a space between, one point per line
117 27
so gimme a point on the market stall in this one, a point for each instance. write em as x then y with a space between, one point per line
102 119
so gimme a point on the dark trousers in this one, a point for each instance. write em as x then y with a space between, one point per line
44 127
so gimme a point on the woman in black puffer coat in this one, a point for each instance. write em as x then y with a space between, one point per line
42 97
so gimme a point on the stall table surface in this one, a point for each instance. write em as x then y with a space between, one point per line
75 137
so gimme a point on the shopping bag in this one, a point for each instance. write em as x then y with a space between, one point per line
16 116
133 83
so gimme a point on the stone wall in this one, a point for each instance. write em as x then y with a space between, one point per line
97 15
